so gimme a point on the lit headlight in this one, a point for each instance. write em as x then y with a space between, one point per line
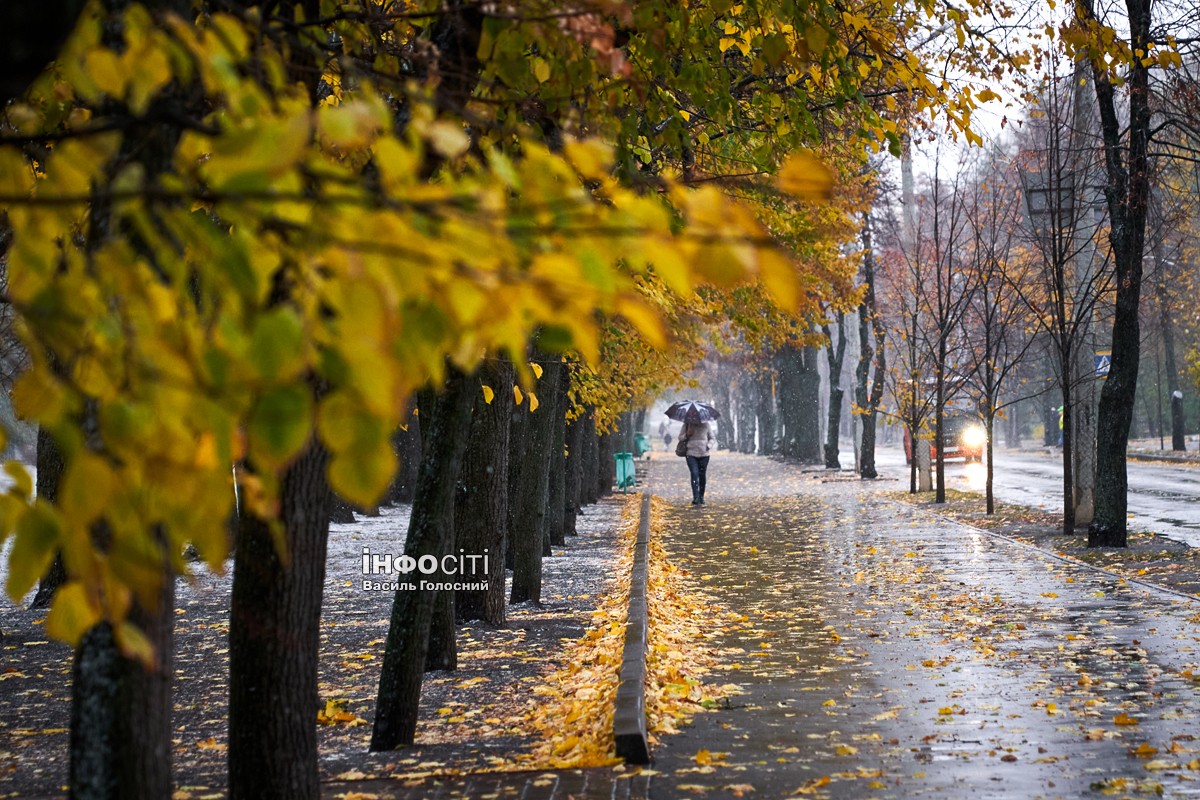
974 436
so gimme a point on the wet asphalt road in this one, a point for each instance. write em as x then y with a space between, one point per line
886 654
1163 498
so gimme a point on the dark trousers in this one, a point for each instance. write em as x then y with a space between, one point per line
698 466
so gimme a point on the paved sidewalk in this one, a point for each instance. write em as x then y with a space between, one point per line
887 654
892 655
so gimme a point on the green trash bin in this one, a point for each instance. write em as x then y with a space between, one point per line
625 471
641 445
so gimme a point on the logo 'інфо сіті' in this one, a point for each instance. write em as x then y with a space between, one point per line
461 564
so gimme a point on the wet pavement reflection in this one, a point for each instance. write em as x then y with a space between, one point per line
889 654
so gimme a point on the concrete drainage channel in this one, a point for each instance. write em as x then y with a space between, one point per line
629 719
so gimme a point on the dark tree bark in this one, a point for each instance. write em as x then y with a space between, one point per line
764 416
481 512
1127 191
745 412
121 710
527 522
406 442
430 529
574 474
808 433
725 428
49 476
606 465
835 355
868 318
274 639
341 512
518 428
589 479
556 512
1167 327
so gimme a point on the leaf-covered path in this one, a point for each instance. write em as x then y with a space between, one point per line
887 653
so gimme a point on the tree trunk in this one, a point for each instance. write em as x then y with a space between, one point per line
862 400
406 442
274 639
836 356
606 465
1168 339
49 476
725 428
527 522
588 465
481 511
341 512
430 531
746 420
1127 191
808 439
121 710
765 411
574 475
556 511
868 315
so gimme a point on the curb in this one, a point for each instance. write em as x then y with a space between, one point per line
629 719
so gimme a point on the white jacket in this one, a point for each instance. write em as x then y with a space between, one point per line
699 437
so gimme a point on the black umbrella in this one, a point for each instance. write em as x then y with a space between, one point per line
692 411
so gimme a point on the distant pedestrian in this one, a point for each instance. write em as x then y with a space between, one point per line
699 437
667 439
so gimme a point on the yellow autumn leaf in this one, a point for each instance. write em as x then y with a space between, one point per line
448 138
1125 719
536 368
533 402
517 396
72 613
812 787
488 394
806 177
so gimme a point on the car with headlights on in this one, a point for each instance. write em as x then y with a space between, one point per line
963 436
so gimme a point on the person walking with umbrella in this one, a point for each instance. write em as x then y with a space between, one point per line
695 441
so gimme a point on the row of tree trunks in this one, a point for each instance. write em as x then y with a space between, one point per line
430 533
799 403
452 516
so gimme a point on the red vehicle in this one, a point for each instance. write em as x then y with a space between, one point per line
963 436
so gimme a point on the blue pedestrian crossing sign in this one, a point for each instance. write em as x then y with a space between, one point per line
1103 363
